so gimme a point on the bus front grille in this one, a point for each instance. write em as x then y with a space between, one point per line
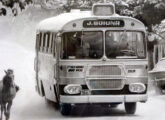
105 84
104 70
105 77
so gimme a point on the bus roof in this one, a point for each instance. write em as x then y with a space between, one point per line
57 23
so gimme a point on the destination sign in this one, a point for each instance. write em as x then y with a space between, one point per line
103 23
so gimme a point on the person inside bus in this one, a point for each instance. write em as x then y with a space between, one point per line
69 45
123 42
112 46
93 44
118 43
82 47
127 44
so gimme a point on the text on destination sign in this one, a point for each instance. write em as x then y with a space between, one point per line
103 23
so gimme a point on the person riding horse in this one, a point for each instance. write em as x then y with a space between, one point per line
10 75
8 90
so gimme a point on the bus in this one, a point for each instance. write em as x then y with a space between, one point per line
92 57
157 74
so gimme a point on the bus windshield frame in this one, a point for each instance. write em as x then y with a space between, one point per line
97 45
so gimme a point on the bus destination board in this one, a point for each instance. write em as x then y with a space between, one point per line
103 23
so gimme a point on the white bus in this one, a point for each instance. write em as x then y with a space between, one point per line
92 57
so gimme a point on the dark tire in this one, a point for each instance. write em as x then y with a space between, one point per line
65 109
130 108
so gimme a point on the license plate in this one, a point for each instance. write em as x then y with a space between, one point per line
85 92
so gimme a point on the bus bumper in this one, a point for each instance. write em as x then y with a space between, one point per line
103 98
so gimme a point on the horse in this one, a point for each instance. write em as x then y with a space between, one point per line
7 94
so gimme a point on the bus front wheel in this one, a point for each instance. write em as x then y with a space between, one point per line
130 107
65 109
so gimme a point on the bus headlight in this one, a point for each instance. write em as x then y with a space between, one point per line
137 87
72 89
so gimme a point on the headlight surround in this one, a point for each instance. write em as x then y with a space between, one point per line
73 89
137 87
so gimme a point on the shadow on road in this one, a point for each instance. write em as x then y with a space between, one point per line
42 111
96 110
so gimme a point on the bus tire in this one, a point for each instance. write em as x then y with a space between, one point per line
130 108
65 109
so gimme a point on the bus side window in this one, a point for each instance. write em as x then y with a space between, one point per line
52 41
54 45
37 42
41 42
49 42
44 42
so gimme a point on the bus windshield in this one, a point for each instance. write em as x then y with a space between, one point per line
82 45
124 44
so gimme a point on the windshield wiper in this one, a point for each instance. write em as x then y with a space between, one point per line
128 52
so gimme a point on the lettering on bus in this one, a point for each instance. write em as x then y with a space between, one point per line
103 23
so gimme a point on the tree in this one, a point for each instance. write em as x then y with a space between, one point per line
151 14
12 3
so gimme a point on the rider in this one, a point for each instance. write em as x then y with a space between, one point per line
10 72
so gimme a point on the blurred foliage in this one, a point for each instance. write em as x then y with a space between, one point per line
150 12
14 5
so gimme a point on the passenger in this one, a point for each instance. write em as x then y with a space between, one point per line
123 43
112 46
86 48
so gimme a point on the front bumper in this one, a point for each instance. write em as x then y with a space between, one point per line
103 98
